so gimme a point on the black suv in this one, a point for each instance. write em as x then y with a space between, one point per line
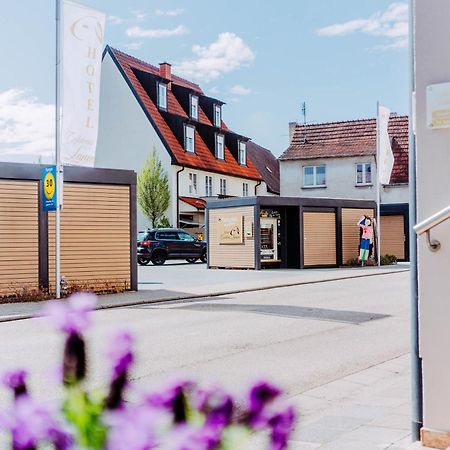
161 244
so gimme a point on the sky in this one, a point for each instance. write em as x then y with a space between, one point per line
263 58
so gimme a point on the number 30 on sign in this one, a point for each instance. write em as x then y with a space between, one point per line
49 188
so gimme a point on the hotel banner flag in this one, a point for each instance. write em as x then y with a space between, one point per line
82 44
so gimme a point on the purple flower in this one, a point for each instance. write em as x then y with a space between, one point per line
132 428
120 353
72 315
172 399
121 357
281 424
261 394
217 405
74 362
31 423
186 437
16 380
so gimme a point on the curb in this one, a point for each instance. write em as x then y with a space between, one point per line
174 299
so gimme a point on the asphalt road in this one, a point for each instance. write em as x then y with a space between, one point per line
300 337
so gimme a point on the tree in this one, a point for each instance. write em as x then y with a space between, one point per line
153 189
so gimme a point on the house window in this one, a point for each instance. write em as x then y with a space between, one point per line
217 115
193 183
162 95
223 186
208 186
220 144
194 107
244 189
189 138
314 176
242 153
363 174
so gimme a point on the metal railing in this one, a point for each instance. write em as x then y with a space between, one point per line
428 224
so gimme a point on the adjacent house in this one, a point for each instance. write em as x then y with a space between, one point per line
337 160
268 167
144 107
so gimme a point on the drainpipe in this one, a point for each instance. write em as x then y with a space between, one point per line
178 193
416 361
256 187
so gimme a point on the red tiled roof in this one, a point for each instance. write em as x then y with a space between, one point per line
350 138
267 165
198 203
202 159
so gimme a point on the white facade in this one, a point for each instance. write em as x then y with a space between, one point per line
340 174
126 138
432 63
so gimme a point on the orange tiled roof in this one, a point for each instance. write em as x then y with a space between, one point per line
350 138
203 158
198 203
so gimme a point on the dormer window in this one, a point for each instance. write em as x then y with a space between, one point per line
194 107
162 95
220 146
242 153
189 138
217 115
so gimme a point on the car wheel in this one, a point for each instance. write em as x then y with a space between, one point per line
204 257
143 261
158 258
191 260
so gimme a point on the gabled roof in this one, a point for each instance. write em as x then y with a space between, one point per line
350 138
198 203
202 159
267 165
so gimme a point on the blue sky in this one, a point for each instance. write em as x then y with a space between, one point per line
262 58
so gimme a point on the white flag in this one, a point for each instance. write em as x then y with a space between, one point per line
83 31
385 156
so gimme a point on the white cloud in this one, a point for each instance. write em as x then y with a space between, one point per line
391 24
240 90
228 53
170 12
214 90
133 45
26 126
156 33
115 20
139 15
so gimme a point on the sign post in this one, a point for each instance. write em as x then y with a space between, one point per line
49 189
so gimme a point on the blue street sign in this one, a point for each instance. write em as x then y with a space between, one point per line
49 191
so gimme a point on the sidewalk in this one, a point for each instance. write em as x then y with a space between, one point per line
368 410
186 281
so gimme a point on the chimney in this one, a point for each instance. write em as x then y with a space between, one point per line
292 126
165 70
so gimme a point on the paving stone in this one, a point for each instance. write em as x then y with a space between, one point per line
316 434
377 435
398 421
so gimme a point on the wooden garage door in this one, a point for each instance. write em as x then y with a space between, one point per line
234 256
319 238
393 236
95 236
350 231
19 257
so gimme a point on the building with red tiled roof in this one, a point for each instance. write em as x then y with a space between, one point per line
144 107
338 160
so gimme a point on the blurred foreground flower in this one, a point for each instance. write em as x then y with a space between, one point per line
181 416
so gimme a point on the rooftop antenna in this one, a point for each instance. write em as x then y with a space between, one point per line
304 121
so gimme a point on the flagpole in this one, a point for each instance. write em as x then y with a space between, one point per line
378 224
58 152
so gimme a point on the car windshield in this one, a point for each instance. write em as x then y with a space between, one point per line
145 236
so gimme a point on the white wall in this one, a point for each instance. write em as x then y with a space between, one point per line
340 181
234 184
432 46
125 136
